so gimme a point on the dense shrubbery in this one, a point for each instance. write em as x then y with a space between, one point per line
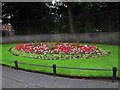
55 51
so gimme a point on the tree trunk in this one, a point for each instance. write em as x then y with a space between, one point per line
70 15
27 26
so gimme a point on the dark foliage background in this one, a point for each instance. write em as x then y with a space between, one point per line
36 18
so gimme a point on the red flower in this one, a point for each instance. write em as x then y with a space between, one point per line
64 47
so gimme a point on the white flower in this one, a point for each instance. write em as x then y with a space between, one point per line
35 50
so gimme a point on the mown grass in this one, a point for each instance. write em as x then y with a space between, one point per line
101 62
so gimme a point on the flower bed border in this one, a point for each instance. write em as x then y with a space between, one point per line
60 56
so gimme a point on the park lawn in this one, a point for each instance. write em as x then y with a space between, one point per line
106 62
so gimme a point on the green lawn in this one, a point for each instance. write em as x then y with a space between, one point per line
101 62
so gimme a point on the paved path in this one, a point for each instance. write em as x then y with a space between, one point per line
12 78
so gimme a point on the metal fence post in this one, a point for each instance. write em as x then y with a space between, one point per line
54 69
16 64
114 69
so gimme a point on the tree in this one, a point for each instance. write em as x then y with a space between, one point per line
57 12
70 14
18 12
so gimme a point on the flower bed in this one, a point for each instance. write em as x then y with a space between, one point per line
55 51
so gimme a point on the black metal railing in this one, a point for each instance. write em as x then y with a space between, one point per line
113 69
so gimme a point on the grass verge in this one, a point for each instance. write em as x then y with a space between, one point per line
101 62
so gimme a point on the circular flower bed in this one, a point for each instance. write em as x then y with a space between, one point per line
55 51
